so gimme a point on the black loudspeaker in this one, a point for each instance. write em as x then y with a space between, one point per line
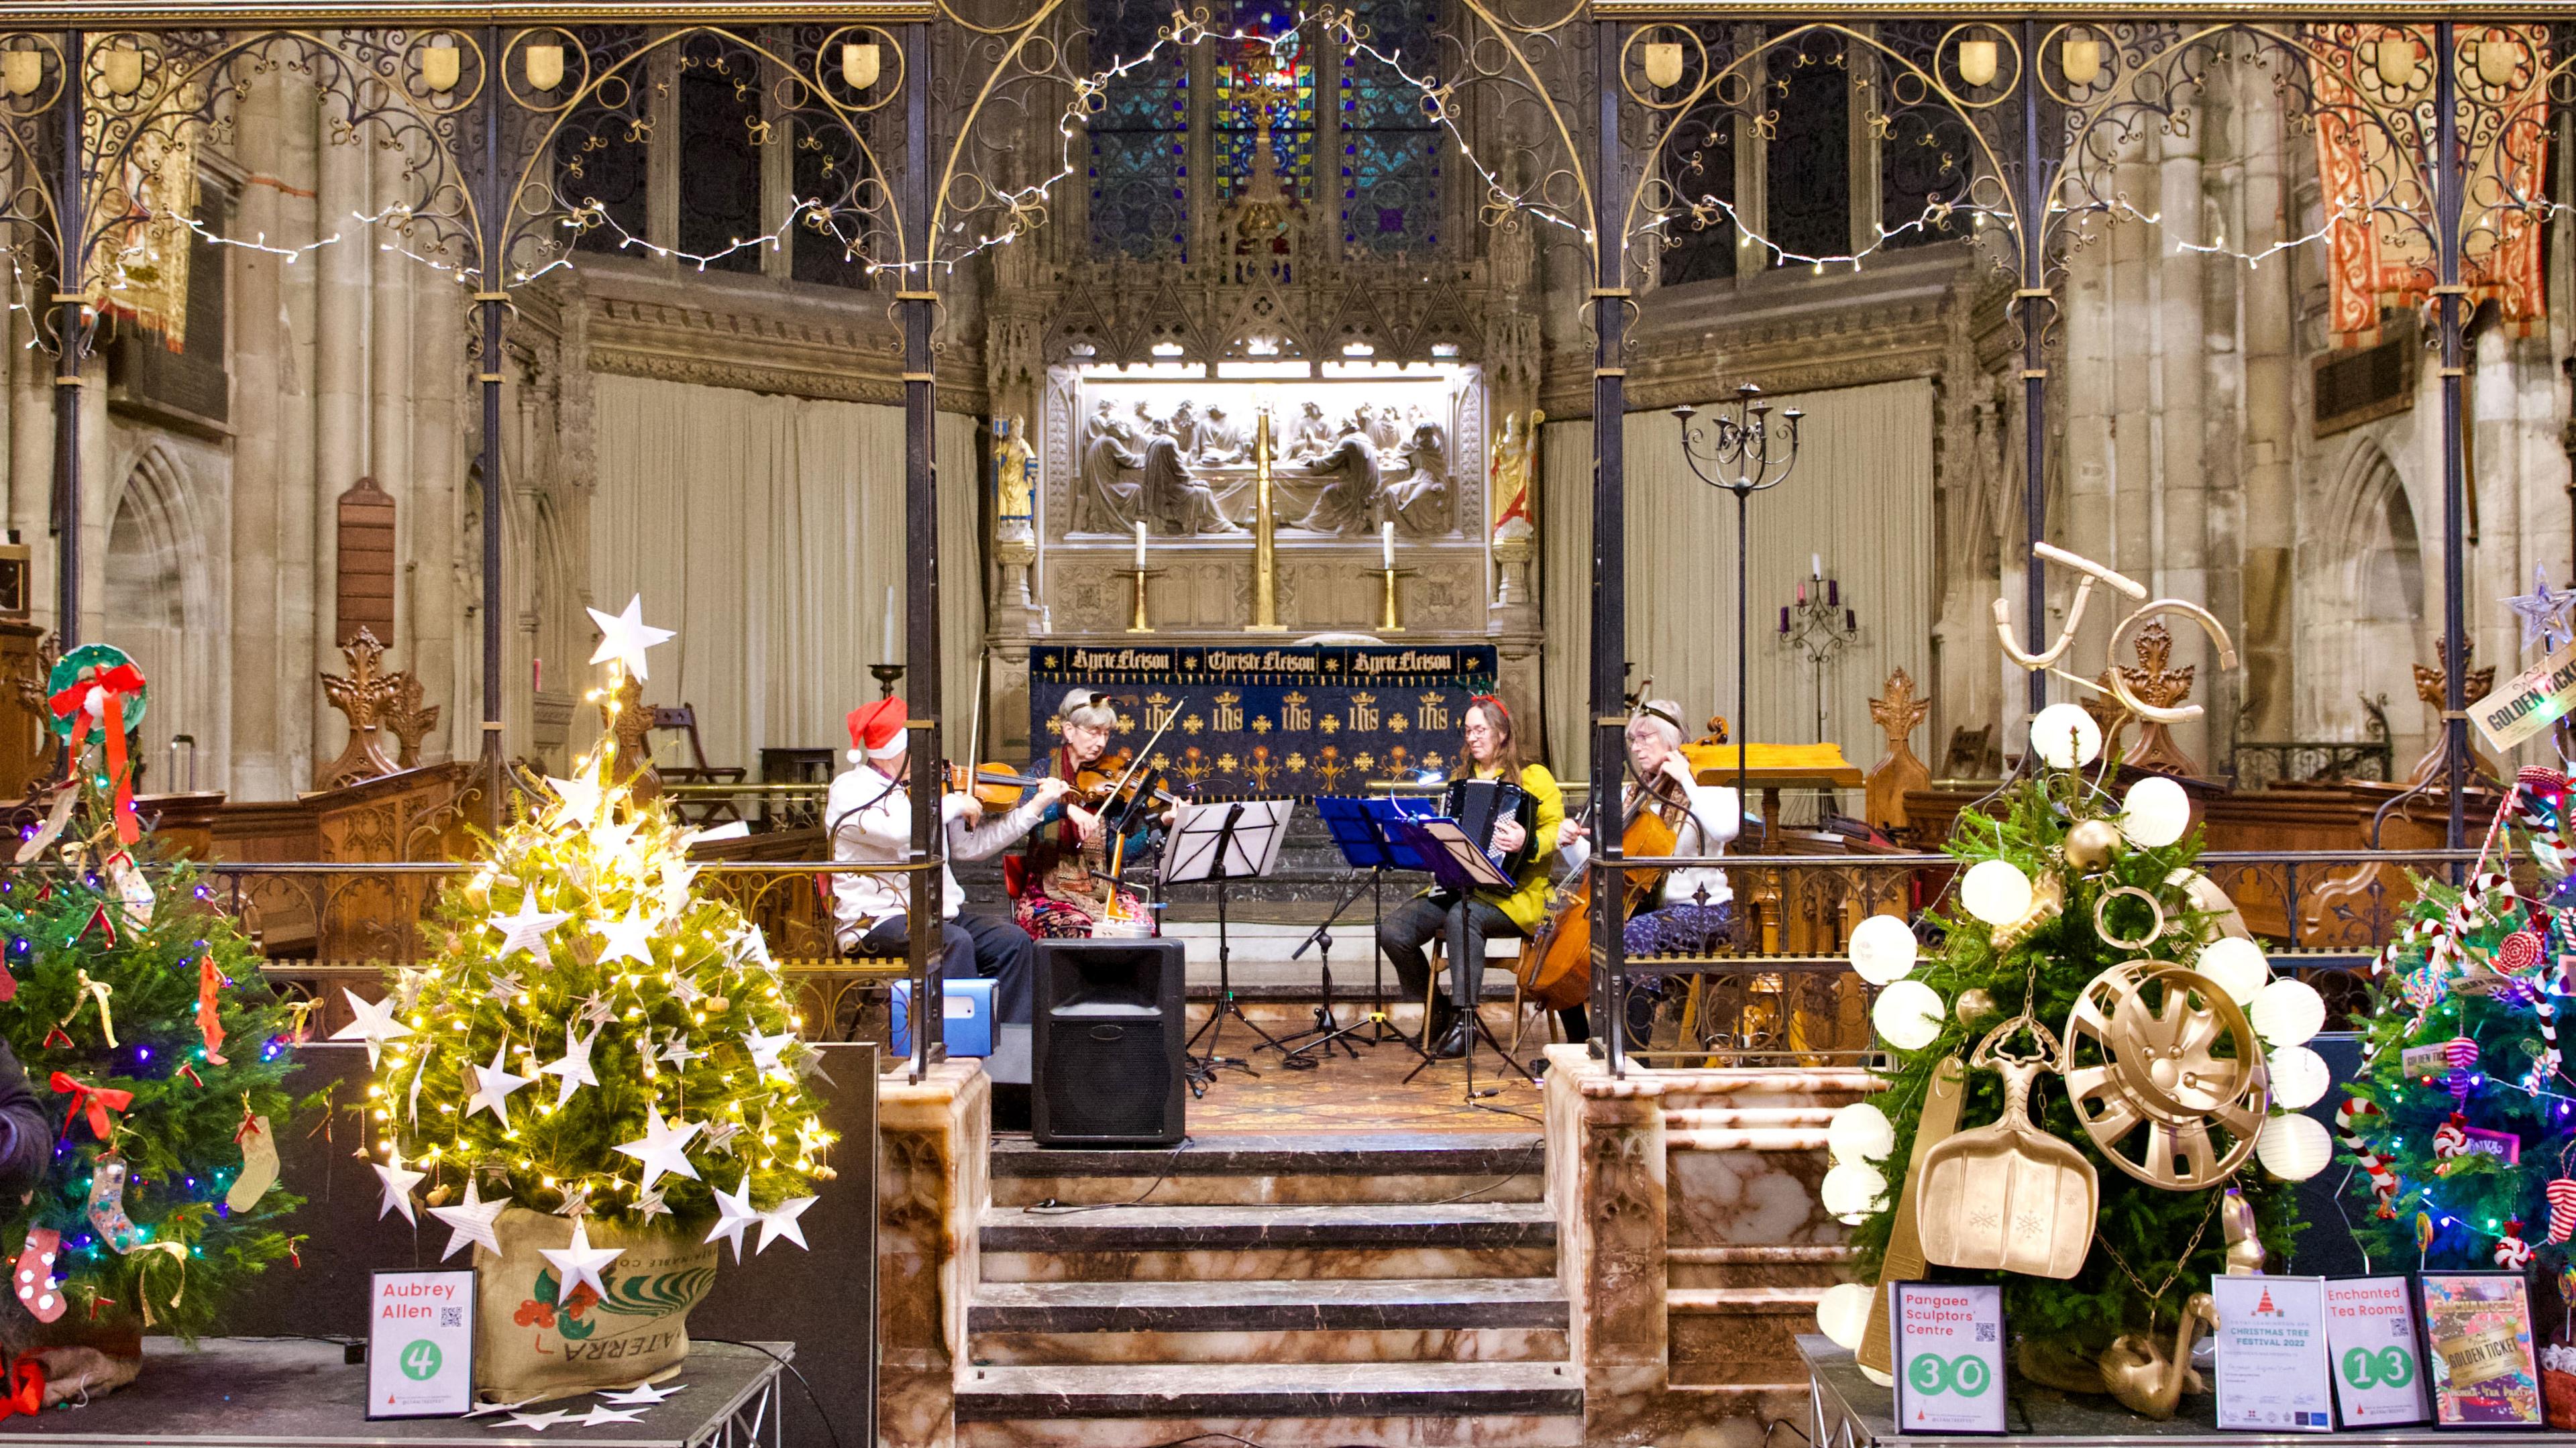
1107 1049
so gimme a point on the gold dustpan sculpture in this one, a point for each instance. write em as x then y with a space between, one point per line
2009 1196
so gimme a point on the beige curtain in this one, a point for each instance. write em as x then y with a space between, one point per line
767 531
1861 496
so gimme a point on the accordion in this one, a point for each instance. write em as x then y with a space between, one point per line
1478 805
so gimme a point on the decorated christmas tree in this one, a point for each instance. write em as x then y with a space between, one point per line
2087 967
593 1037
2463 1118
138 1007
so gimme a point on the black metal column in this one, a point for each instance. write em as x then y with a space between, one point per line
1609 557
2031 297
2447 206
915 302
491 214
71 344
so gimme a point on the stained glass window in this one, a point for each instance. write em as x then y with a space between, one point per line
1275 73
1390 161
1138 140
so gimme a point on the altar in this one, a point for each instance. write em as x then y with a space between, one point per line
1161 470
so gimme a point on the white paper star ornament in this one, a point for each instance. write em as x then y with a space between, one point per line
573 1067
372 1022
600 1413
398 1180
471 1220
733 1214
492 1087
641 1394
663 1148
581 796
768 1051
624 636
580 1263
536 1422
780 1221
527 930
627 939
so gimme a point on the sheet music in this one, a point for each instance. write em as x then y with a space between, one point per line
1232 840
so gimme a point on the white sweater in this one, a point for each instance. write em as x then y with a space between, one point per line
1714 819
870 817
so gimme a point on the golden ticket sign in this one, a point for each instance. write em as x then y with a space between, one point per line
2533 700
2483 1357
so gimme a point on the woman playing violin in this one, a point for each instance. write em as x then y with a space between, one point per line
1492 752
1066 886
1694 908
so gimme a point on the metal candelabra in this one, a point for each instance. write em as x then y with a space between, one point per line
1819 625
1745 450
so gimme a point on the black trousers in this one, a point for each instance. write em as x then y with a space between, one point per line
1464 921
971 946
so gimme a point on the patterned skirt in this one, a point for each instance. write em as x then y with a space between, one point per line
1685 929
1060 918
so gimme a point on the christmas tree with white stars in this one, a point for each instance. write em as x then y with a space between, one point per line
592 1036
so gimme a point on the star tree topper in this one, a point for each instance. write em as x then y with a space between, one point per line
625 636
2544 612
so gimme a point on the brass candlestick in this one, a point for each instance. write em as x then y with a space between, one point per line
1265 538
1140 624
886 675
1387 621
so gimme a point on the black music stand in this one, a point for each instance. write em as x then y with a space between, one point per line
1366 849
1462 868
1215 843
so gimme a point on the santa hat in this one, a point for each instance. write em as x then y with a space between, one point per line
876 730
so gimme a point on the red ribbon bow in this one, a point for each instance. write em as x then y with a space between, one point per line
95 1100
25 1392
118 684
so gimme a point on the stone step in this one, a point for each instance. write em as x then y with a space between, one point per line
1290 1306
1342 1226
1237 1243
1274 1170
1399 1320
1263 1391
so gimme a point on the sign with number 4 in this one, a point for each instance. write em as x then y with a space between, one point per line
420 1344
1949 1357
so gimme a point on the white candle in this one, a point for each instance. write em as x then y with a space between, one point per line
1815 565
1140 545
886 654
1386 544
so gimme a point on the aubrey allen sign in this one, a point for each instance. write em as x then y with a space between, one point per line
1287 719
2531 701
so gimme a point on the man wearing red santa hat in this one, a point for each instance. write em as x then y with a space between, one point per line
870 813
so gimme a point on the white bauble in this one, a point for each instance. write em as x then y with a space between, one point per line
1842 1314
2155 813
2299 1077
2287 1013
1852 1191
1884 1380
1908 1015
2236 967
1860 1132
2066 736
2293 1148
1883 950
1995 891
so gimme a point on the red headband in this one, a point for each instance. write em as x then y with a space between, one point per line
1475 700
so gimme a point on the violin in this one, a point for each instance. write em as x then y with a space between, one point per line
1556 966
1113 787
995 786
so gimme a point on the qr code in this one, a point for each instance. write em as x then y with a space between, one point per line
1985 1332
451 1317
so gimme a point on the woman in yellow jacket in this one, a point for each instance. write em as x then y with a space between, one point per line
1493 752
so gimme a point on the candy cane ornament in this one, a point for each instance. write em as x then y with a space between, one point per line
2562 1210
2383 1182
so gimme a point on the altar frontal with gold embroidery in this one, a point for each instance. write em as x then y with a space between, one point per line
1299 719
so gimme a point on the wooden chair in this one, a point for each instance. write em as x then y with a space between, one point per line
683 720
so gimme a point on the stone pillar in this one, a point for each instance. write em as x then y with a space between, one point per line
2177 534
260 364
1605 1179
2267 524
341 415
935 1148
389 402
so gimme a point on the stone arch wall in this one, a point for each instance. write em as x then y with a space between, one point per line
2364 586
163 605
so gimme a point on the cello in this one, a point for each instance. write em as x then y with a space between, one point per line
1556 969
